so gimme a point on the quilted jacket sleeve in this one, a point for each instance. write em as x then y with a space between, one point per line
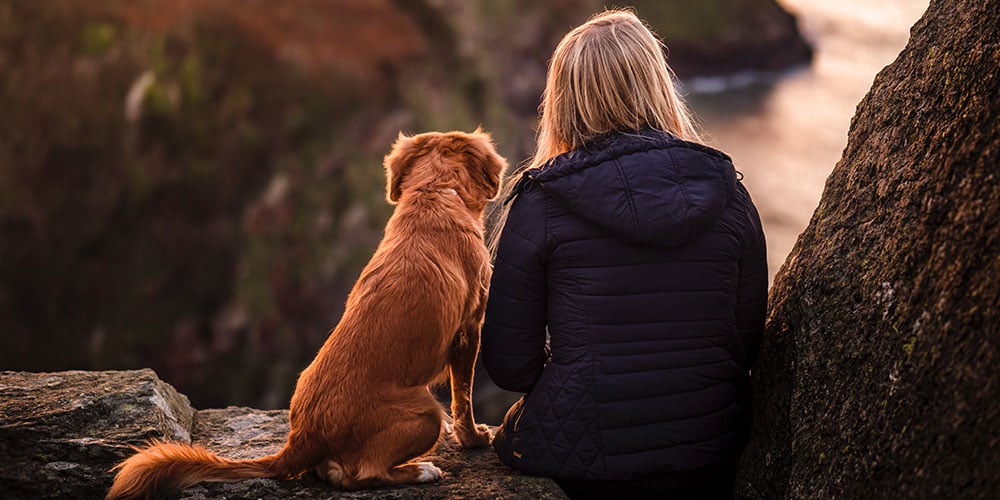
752 288
513 337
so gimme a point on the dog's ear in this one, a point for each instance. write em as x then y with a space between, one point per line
398 163
489 165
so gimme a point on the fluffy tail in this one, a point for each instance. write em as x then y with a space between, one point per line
174 466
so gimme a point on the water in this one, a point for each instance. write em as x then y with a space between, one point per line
786 132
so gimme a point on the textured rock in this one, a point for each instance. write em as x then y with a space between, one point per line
60 434
244 433
878 373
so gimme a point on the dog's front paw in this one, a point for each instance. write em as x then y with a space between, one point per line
478 437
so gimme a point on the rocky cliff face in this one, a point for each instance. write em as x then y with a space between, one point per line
60 434
877 377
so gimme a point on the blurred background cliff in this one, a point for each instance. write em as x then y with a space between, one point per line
194 185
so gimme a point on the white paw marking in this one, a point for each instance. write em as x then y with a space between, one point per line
428 472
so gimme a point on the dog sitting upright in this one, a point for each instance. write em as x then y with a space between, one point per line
362 410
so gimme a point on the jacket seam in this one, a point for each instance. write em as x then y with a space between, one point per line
672 393
592 363
525 239
546 238
674 420
675 445
504 264
644 264
605 237
677 367
509 296
658 292
665 395
668 339
680 185
628 198
659 351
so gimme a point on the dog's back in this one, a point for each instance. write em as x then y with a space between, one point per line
361 410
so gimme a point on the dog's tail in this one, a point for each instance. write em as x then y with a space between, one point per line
174 466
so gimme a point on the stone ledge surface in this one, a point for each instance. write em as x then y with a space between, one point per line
60 434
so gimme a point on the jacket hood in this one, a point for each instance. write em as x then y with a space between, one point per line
647 188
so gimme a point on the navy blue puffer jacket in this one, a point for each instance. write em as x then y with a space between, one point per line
641 258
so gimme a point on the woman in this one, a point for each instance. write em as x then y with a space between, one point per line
637 254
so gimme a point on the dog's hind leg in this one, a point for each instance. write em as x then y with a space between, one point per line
386 455
416 472
331 472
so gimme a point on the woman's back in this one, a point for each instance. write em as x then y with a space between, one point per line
637 250
643 257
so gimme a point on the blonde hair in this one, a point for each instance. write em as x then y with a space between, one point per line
607 75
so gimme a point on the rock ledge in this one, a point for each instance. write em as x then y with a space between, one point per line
60 434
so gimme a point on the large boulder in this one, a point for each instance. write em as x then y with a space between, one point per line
61 433
878 373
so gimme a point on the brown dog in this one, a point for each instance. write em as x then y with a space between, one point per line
362 409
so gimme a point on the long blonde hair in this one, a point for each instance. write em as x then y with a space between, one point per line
607 75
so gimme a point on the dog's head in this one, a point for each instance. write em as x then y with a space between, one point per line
467 163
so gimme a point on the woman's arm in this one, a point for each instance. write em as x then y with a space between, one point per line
513 338
751 293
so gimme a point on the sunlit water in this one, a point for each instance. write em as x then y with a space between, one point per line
786 134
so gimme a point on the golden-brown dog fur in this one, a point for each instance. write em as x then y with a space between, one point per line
362 410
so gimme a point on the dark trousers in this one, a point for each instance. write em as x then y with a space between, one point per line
708 483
